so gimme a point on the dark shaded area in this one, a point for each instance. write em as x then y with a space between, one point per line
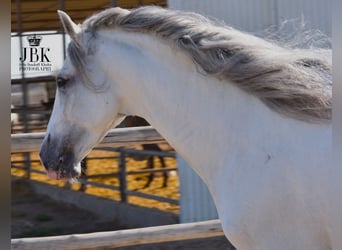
214 243
38 216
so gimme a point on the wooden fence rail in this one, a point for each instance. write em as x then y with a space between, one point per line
122 238
119 137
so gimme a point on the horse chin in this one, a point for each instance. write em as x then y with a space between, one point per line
63 174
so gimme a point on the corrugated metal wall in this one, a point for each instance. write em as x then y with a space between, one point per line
252 16
257 15
316 13
247 14
195 200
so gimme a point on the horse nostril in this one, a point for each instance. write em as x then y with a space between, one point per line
61 159
48 139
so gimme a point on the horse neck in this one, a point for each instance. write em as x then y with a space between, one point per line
211 123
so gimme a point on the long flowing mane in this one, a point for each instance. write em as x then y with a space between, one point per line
294 82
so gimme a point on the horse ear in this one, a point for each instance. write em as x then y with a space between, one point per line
69 26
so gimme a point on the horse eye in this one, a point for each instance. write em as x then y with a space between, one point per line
61 82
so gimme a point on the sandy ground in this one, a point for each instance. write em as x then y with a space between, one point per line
36 216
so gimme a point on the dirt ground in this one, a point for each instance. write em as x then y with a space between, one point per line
37 216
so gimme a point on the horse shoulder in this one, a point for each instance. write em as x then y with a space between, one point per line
262 188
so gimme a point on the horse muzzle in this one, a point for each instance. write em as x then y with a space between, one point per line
59 161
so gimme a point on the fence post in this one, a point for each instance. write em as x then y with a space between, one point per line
122 175
27 165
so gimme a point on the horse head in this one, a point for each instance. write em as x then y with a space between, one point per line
77 124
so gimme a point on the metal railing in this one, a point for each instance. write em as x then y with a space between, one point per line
30 142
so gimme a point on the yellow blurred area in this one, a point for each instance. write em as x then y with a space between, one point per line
135 182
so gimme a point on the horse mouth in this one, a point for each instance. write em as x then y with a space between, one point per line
59 164
63 173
